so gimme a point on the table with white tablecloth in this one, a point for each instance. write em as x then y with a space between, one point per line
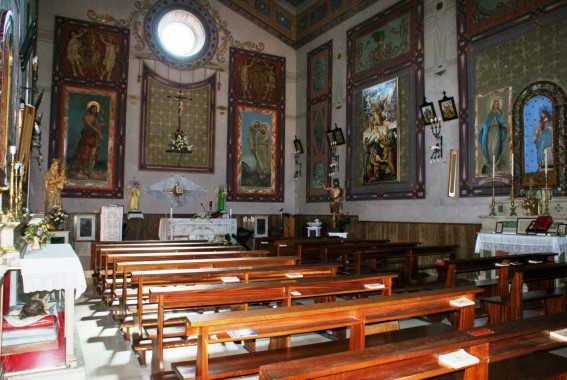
54 267
520 243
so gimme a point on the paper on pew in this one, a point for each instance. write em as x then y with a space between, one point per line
241 333
294 275
461 302
559 334
375 286
230 279
535 261
458 359
502 265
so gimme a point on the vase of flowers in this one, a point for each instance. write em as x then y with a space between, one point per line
530 205
38 234
180 143
56 217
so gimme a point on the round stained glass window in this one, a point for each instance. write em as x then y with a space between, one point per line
181 35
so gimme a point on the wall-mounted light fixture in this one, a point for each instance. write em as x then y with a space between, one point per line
298 151
437 149
335 137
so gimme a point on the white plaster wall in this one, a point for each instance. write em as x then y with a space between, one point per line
242 30
440 75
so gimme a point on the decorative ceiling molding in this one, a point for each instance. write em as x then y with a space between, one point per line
297 30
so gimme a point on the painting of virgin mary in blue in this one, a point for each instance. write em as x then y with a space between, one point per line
538 134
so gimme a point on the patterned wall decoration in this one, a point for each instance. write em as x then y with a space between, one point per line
160 119
141 8
319 98
255 159
385 133
88 109
503 50
297 30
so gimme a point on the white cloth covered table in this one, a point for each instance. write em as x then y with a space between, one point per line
55 266
195 229
518 243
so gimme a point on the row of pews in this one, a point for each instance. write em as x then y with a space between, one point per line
166 303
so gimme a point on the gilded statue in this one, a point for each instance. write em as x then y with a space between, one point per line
55 180
336 196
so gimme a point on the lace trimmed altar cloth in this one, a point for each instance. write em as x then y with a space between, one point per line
518 243
195 229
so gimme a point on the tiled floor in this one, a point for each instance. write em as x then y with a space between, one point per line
107 356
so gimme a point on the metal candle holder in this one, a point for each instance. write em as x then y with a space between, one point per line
546 197
493 203
512 205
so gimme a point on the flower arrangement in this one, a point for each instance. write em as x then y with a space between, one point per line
180 142
529 203
39 231
341 222
56 216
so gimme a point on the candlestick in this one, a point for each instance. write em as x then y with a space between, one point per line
171 212
545 161
493 165
493 203
512 165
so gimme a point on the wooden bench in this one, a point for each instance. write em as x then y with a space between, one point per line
418 358
353 259
540 280
104 252
97 245
311 251
454 268
283 292
212 328
124 269
113 258
161 277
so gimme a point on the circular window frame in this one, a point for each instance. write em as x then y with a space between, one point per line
151 31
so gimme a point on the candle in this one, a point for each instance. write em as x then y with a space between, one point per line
230 213
512 165
493 165
12 149
171 212
545 160
210 203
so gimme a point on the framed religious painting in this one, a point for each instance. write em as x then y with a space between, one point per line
88 108
428 114
447 108
318 125
384 130
170 109
493 125
539 136
386 42
319 67
512 32
85 227
255 159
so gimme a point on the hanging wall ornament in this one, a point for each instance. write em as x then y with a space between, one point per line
176 190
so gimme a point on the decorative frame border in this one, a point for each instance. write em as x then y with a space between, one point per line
256 89
90 80
471 38
26 133
151 135
85 227
409 69
318 120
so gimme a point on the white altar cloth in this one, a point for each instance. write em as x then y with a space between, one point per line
55 266
518 243
194 229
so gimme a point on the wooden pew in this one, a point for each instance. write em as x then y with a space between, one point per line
540 280
97 245
311 250
107 275
453 268
212 328
152 278
124 269
357 255
104 252
418 358
283 292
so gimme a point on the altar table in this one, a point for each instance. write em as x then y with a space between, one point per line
519 243
195 229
